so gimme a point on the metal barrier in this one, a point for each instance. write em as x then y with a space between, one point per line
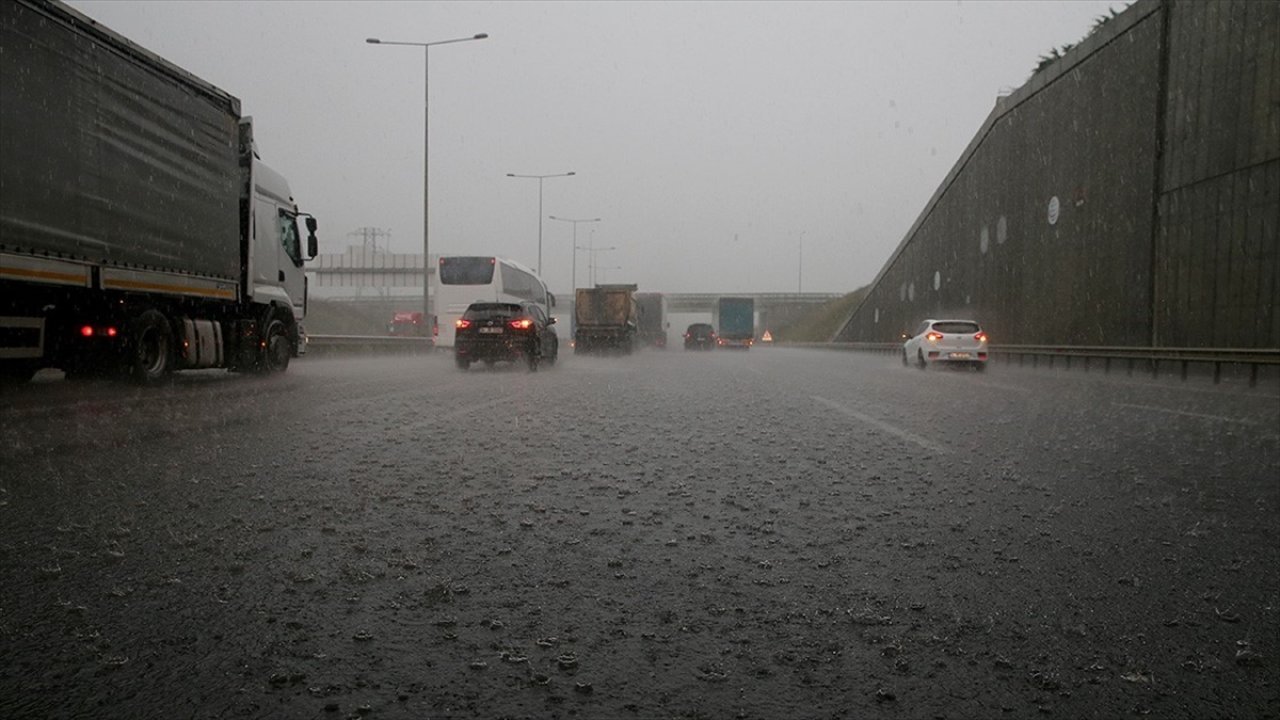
368 343
1086 356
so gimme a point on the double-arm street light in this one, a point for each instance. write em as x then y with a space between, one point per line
426 138
574 280
540 178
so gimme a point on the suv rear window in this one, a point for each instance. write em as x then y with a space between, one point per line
478 311
957 328
699 328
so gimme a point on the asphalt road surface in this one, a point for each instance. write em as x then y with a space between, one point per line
778 533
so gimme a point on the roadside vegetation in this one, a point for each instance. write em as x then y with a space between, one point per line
823 322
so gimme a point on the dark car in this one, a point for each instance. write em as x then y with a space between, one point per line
491 332
700 336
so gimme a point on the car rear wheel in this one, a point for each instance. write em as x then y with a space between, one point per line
920 361
980 366
461 362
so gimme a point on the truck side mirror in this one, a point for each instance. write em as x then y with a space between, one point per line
312 225
313 245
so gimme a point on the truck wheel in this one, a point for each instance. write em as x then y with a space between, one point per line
461 362
275 347
149 355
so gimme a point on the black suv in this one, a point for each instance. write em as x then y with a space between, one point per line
489 332
700 336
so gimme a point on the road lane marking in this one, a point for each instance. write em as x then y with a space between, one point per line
1185 413
884 426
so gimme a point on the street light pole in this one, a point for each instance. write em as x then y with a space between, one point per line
574 280
426 145
540 178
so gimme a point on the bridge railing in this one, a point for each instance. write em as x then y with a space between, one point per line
1146 359
368 343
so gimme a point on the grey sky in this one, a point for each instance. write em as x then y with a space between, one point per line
688 124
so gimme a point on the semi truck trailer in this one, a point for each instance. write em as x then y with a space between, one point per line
651 320
140 232
737 322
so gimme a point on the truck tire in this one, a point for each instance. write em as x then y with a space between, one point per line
462 362
276 350
149 355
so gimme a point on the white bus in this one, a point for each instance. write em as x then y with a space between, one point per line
464 279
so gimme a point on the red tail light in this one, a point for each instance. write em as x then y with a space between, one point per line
87 331
521 324
980 337
933 337
462 324
111 332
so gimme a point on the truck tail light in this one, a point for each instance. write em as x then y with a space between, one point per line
87 331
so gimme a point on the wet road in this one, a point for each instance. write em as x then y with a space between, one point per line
779 533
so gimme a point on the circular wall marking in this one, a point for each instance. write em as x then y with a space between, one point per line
1054 207
937 279
877 317
1002 230
984 240
911 292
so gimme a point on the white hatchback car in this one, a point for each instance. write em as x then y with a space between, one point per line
947 341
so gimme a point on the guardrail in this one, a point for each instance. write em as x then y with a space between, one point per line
1087 356
368 343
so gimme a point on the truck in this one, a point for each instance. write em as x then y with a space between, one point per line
140 232
651 320
737 322
605 319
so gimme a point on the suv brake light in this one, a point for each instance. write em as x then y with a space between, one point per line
521 323
463 324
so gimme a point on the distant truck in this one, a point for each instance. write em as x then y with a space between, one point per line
651 320
139 232
737 322
408 324
605 319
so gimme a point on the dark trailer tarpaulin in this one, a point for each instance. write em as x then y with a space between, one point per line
145 154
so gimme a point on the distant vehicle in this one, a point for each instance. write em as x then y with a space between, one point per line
493 332
139 231
700 336
605 319
651 320
408 324
463 279
946 341
737 322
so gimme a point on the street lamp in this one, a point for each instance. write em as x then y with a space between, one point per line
540 178
426 139
591 260
574 280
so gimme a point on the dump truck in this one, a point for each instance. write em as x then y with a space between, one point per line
651 320
140 232
737 322
605 319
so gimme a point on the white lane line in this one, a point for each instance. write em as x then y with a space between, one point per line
1184 413
882 425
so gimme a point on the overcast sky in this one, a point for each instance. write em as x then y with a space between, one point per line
712 139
